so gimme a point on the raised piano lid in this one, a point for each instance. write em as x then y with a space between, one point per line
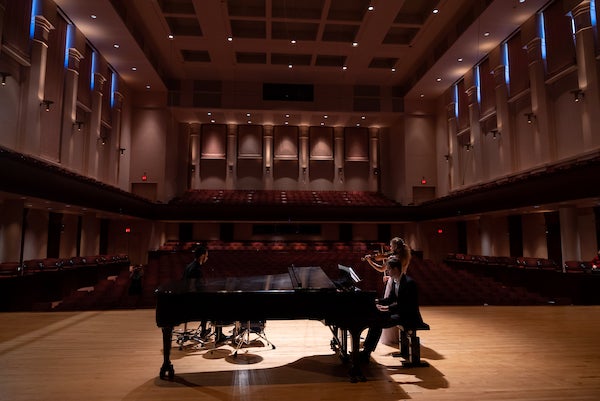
297 278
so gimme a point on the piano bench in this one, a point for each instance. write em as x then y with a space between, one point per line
410 346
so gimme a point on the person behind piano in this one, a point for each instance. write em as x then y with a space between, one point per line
193 274
401 249
400 307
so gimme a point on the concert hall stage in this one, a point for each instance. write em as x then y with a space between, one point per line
474 353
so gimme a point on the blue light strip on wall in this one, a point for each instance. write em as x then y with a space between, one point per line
113 88
506 63
35 6
69 42
456 100
542 32
93 70
593 12
478 83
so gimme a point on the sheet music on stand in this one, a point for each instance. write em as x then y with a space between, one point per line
350 279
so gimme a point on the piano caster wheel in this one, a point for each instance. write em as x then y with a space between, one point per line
167 372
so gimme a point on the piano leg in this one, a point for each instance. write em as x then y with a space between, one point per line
167 367
355 370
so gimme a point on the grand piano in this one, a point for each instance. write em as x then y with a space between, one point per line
301 293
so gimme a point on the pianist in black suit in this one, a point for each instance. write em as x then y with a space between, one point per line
400 307
194 269
193 274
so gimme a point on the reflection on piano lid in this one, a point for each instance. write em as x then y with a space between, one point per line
297 278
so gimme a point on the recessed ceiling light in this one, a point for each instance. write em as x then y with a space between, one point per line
344 68
171 36
435 11
133 68
290 66
438 79
325 116
287 116
362 117
293 41
422 95
249 122
229 39
247 114
322 123
116 45
486 34
358 124
209 114
212 120
370 8
393 69
93 16
354 44
147 86
460 59
286 123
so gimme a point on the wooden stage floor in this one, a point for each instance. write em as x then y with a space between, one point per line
478 353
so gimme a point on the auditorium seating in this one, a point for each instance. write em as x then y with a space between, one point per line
275 197
39 283
439 283
570 283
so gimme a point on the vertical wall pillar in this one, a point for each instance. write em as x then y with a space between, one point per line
569 234
193 166
587 75
268 156
479 170
452 146
69 128
95 127
338 158
374 172
231 156
90 234
11 226
117 151
544 140
304 157
30 139
507 145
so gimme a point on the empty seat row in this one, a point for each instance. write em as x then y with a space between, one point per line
32 266
275 197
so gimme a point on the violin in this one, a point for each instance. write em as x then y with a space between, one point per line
377 256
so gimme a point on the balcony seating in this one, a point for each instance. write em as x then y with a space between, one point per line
274 197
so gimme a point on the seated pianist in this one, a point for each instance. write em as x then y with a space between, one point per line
400 308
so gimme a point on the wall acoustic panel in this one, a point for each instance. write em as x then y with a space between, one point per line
285 140
356 144
250 144
213 144
321 143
